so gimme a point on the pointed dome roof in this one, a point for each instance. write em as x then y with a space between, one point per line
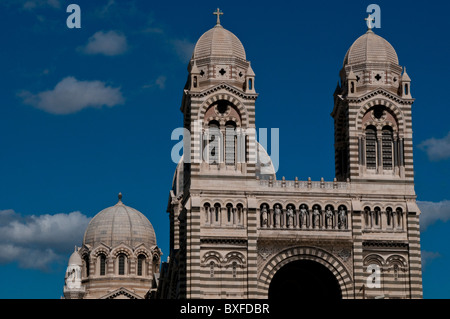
75 259
219 42
119 224
370 47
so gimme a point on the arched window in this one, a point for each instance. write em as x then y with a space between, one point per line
352 87
229 213
377 216
223 139
214 143
389 219
217 212
121 264
140 265
230 142
406 89
387 138
240 213
156 261
208 215
195 81
86 263
102 265
399 213
367 217
371 147
250 84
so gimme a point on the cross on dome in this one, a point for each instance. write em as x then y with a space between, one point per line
218 13
369 21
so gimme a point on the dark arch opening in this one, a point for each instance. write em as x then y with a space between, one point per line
304 279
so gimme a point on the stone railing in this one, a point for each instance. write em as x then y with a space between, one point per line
303 184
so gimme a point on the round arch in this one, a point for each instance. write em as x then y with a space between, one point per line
227 97
386 103
315 254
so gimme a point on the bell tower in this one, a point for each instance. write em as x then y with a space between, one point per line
374 154
372 114
210 213
219 108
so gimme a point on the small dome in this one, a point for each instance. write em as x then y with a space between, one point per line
119 224
370 48
75 259
218 42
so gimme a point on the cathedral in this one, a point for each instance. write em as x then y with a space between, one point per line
236 231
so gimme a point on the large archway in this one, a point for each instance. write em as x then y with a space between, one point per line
304 279
304 253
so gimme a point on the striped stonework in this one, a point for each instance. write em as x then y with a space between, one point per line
234 227
252 243
306 253
415 263
351 121
359 271
227 97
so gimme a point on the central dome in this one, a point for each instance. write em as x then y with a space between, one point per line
120 224
218 42
370 48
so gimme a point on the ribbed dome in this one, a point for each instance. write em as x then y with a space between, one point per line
75 259
370 48
219 42
119 224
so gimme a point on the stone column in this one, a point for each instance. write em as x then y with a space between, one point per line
379 154
383 220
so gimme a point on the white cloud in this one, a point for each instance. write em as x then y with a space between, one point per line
160 82
428 256
432 212
110 43
184 48
28 257
437 149
37 241
33 4
71 95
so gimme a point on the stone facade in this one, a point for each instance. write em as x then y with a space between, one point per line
235 226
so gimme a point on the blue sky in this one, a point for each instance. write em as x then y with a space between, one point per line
65 156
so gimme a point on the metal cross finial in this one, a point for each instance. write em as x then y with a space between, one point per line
218 13
369 21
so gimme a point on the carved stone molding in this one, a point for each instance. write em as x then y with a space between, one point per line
342 251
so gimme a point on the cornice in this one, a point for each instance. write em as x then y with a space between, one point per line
378 91
222 86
